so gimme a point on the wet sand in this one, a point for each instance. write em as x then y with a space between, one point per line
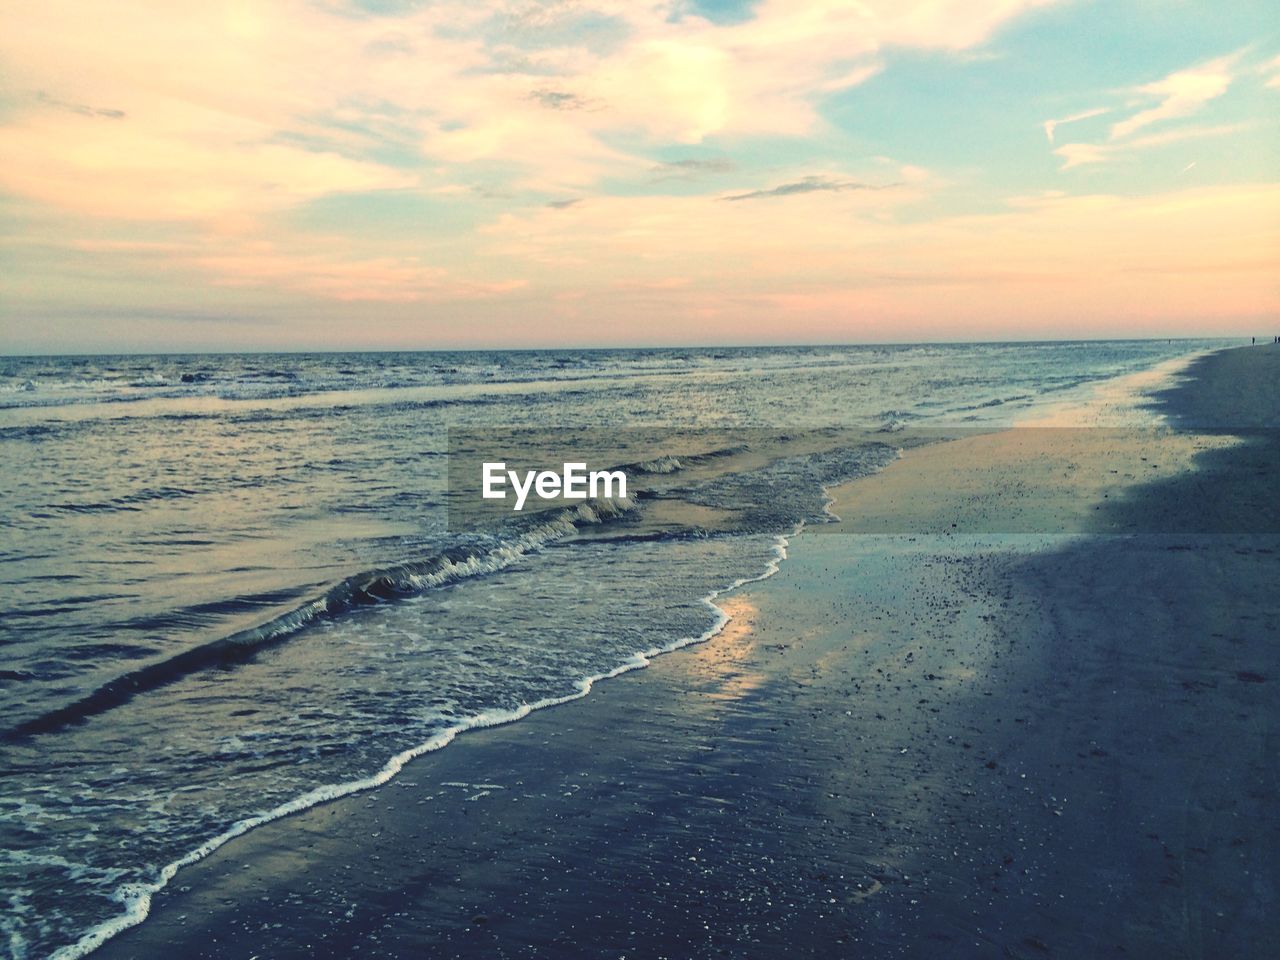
917 740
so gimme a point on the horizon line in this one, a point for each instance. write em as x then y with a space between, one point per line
624 347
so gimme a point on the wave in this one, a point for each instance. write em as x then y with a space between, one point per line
364 589
660 465
671 464
137 897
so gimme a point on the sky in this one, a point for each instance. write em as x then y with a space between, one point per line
386 174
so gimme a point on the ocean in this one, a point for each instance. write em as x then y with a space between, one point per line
231 588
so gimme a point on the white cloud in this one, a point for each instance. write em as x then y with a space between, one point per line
1083 154
197 110
1180 94
1177 96
1050 126
1271 71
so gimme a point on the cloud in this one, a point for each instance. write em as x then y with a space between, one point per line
809 185
688 168
844 266
226 124
558 100
1083 154
138 172
325 271
1050 126
635 238
1180 94
1271 72
563 204
544 91
840 259
82 109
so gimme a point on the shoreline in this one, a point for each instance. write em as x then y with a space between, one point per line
139 901
140 898
249 849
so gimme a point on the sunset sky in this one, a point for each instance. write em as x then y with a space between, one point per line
383 174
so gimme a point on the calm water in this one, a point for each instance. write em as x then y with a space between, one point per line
155 506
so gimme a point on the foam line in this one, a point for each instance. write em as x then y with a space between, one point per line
137 897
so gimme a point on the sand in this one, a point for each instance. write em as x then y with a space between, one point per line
992 739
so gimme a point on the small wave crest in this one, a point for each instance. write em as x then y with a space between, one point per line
378 586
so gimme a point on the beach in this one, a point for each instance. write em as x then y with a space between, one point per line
655 481
243 585
1019 702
